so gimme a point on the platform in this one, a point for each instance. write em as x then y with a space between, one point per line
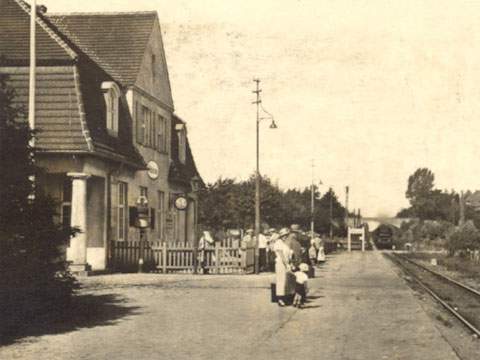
362 310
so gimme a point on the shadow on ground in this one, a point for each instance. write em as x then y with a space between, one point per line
86 311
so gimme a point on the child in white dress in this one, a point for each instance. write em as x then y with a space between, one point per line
301 279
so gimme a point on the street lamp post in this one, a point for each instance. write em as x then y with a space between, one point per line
196 184
331 213
258 102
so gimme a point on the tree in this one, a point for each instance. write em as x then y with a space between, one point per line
420 187
426 202
231 203
420 184
465 236
34 271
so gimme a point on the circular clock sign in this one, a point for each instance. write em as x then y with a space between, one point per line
181 203
152 170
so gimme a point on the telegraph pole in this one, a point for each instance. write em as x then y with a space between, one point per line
347 189
312 203
331 213
461 220
31 86
31 90
257 91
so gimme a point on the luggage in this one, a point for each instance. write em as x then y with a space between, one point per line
311 272
273 292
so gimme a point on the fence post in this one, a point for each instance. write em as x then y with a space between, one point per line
243 258
164 257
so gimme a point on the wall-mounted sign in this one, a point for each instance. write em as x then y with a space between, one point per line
181 202
152 170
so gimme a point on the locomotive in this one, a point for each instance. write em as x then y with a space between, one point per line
383 236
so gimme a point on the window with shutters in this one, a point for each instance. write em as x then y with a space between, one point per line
182 145
161 134
146 124
66 202
161 215
122 211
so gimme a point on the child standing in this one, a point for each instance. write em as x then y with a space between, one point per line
301 279
312 254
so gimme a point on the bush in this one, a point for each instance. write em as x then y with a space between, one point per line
463 237
34 274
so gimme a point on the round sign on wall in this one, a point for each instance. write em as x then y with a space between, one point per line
152 170
181 203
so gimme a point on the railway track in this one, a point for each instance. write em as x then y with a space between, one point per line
459 299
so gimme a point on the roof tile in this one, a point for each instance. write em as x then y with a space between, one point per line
116 41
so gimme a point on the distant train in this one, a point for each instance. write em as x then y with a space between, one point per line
383 236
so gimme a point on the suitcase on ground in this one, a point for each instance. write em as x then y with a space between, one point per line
311 272
273 292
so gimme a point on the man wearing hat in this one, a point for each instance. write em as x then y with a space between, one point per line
293 243
248 239
271 239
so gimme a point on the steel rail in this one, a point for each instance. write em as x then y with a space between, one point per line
438 298
444 277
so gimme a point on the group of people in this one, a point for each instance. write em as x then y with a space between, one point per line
306 248
290 252
295 254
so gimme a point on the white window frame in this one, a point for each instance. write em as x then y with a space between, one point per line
122 208
111 94
161 133
182 142
66 202
161 215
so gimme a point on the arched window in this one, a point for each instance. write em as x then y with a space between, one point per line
182 142
111 94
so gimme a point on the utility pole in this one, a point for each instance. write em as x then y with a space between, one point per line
331 213
31 90
347 189
257 91
312 203
31 86
461 221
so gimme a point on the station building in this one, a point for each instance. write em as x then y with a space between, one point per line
107 134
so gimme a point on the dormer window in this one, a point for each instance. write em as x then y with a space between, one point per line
111 94
182 142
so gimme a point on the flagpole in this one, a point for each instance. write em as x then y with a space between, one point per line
31 92
31 89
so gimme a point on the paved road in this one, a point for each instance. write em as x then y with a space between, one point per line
359 309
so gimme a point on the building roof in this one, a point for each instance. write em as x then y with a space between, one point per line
116 41
58 119
15 36
70 109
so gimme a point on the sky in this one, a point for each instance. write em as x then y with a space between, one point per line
367 90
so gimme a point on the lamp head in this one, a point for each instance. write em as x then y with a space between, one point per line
273 125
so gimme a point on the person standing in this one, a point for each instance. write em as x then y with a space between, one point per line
248 240
282 265
272 238
301 279
205 242
262 251
294 245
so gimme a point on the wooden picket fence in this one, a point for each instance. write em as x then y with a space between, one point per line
167 257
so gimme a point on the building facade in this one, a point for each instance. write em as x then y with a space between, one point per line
107 134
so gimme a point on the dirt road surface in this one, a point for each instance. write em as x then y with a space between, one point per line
359 309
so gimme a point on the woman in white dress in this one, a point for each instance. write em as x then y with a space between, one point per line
282 265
